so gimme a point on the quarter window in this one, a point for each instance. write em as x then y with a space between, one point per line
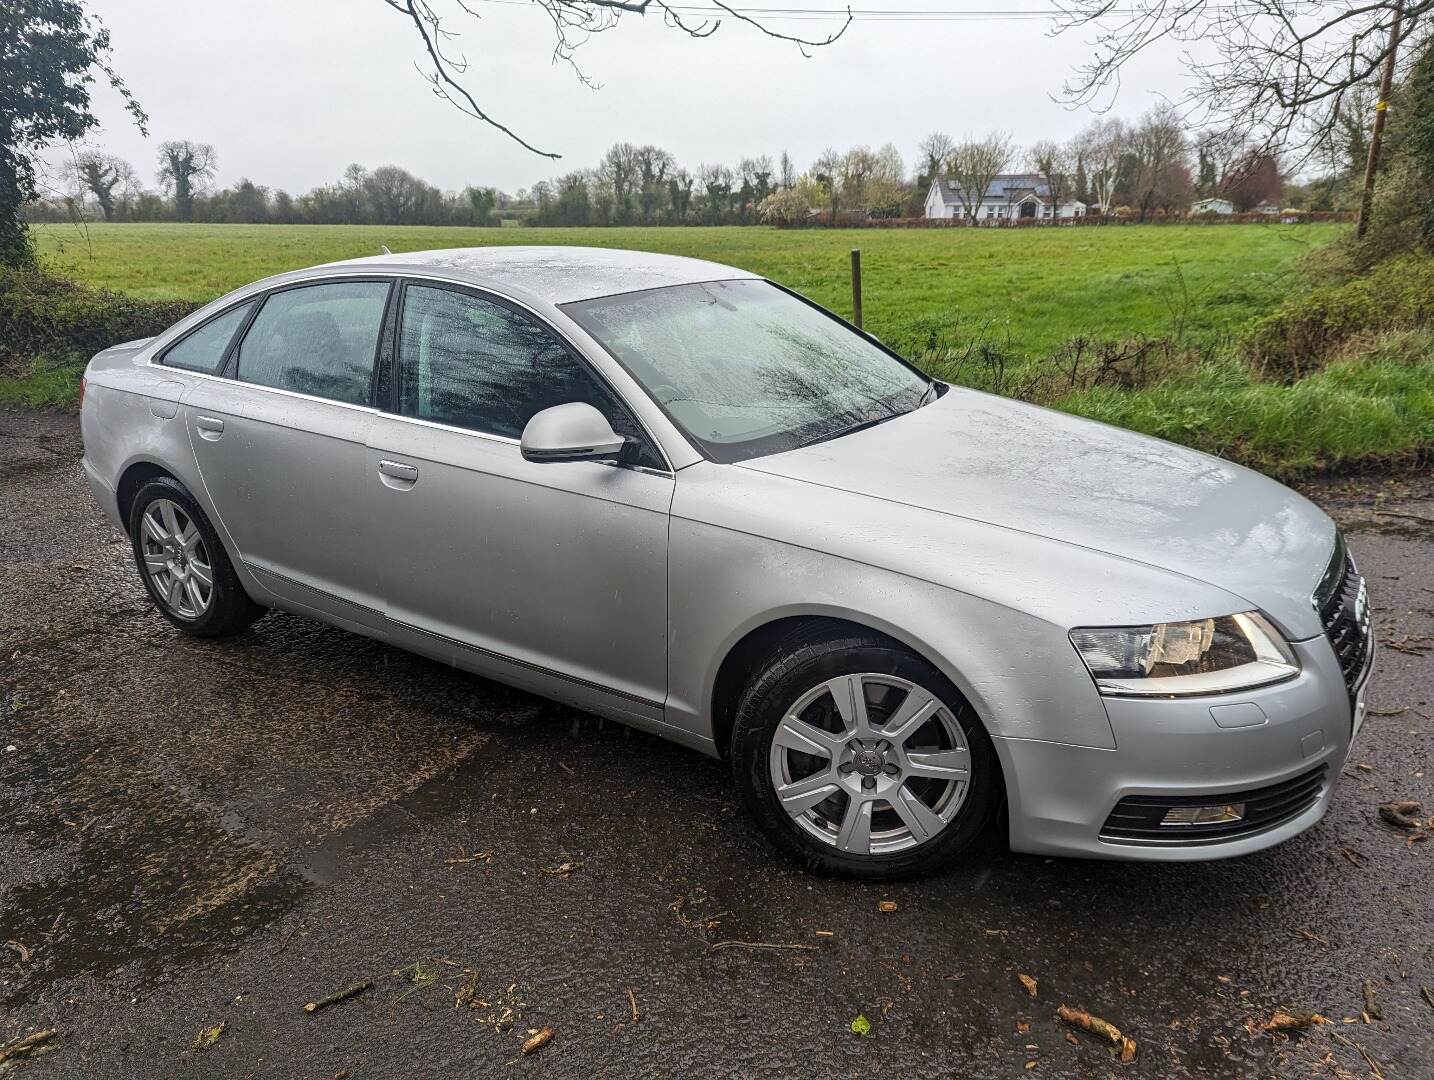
473 364
319 340
204 349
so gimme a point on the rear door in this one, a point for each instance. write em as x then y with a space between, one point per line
281 444
546 575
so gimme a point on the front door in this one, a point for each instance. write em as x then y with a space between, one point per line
281 446
551 576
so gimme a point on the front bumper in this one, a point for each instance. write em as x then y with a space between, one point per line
1061 796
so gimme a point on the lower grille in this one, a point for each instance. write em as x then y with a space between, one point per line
1138 818
1343 606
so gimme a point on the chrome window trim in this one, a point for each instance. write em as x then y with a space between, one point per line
397 277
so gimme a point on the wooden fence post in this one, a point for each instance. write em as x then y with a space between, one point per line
856 287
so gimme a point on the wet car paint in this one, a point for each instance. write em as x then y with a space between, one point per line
194 833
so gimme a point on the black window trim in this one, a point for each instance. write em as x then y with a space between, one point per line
229 366
393 406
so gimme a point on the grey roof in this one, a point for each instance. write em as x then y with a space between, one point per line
1007 186
557 275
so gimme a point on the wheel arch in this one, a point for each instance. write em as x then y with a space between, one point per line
734 671
134 477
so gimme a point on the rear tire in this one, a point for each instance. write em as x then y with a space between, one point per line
183 565
856 757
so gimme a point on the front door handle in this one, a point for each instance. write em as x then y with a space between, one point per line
209 427
397 474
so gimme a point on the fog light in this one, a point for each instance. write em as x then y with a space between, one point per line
1204 815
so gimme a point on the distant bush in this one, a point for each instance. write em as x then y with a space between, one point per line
1305 333
50 327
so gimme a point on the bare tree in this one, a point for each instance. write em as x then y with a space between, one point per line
1281 69
183 167
974 163
1159 147
574 22
935 151
1055 163
99 175
827 172
786 171
1101 147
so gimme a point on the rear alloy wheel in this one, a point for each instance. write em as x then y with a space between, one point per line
183 564
859 758
176 559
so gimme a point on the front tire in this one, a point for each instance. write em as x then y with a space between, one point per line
183 565
858 758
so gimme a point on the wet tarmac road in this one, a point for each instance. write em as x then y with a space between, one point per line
196 834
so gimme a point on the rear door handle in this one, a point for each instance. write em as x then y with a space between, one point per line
210 427
398 474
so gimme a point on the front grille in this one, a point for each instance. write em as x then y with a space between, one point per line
1343 608
1137 818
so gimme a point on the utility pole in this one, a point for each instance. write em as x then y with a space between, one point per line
1386 86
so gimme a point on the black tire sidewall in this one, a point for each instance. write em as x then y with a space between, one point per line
795 672
230 608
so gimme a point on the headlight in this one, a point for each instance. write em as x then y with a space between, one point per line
1207 656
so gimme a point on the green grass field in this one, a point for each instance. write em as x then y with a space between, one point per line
1031 289
1020 294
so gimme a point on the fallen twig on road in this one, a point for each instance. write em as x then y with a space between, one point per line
1402 514
29 1044
761 945
1101 1028
339 995
537 1040
20 950
632 1000
477 856
1374 1069
564 869
1310 935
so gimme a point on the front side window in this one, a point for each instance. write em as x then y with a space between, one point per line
746 369
469 363
204 349
318 339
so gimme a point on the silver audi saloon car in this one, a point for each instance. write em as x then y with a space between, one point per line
681 496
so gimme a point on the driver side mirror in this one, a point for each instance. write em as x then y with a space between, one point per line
572 432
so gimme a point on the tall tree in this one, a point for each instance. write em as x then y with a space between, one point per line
974 163
827 172
1102 147
183 167
1052 160
933 152
1159 147
98 175
50 53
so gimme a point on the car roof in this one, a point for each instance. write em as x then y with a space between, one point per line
557 275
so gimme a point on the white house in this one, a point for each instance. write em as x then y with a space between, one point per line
1212 206
1010 195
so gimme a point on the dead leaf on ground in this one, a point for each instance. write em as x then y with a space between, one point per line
1402 814
1029 983
1022 1027
886 906
208 1036
1292 1020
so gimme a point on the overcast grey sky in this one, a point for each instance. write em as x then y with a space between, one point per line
291 91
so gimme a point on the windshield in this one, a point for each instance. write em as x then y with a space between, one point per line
745 368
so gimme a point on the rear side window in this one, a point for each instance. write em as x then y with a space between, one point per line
319 340
204 349
473 364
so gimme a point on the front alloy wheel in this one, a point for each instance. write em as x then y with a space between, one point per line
872 764
857 757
